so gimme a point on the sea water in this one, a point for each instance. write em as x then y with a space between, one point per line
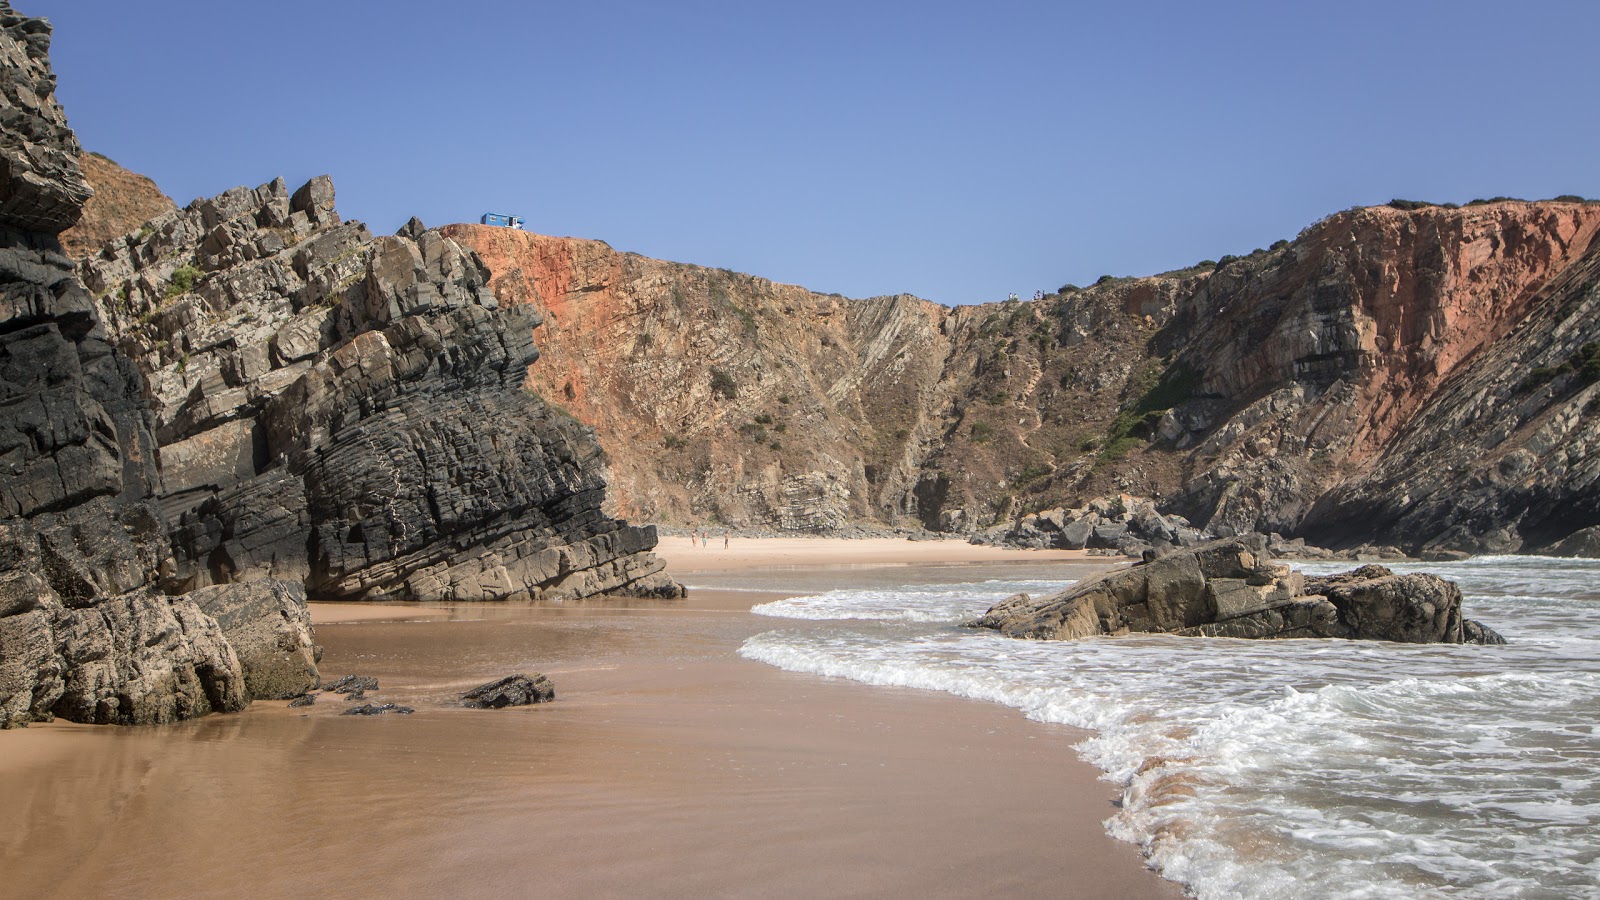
1286 768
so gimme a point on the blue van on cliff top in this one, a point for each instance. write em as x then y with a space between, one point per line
503 220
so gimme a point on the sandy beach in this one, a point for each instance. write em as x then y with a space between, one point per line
668 766
683 556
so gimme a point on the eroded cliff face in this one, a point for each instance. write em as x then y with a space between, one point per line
86 629
242 400
722 397
346 411
1266 394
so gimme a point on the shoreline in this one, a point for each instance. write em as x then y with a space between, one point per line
747 553
669 766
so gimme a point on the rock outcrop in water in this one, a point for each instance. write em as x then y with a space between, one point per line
1414 377
1231 588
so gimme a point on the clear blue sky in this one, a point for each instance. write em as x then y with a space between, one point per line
954 151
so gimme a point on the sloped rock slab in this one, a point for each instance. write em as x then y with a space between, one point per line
512 690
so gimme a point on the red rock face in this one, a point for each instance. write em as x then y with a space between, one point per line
1437 285
1309 363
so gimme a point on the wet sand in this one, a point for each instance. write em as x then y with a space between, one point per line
668 766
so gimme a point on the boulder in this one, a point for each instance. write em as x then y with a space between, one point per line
1075 535
1232 588
1584 543
269 626
512 690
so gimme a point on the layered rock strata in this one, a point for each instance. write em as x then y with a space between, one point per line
346 411
1232 588
87 630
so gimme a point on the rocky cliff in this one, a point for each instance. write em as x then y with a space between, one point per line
86 629
242 400
346 411
1317 388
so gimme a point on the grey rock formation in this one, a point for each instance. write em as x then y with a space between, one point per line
347 412
512 690
1231 588
42 189
1583 543
269 626
87 630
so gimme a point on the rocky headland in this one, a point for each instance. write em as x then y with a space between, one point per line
242 401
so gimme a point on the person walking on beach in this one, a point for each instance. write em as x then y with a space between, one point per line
724 540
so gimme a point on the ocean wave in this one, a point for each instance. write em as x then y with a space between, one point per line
1291 768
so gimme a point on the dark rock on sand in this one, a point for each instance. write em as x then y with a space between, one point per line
378 709
1232 588
350 684
307 699
512 690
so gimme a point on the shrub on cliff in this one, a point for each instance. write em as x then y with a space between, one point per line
722 384
183 280
1409 205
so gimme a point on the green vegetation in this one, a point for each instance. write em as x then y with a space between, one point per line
754 432
723 384
763 419
146 230
1571 198
1409 205
645 341
183 280
1585 363
1206 264
1068 288
1104 279
183 363
1279 244
981 432
784 399
673 442
1032 473
1482 202
1088 445
998 398
1158 391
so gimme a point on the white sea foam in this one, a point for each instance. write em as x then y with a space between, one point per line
1291 768
951 603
